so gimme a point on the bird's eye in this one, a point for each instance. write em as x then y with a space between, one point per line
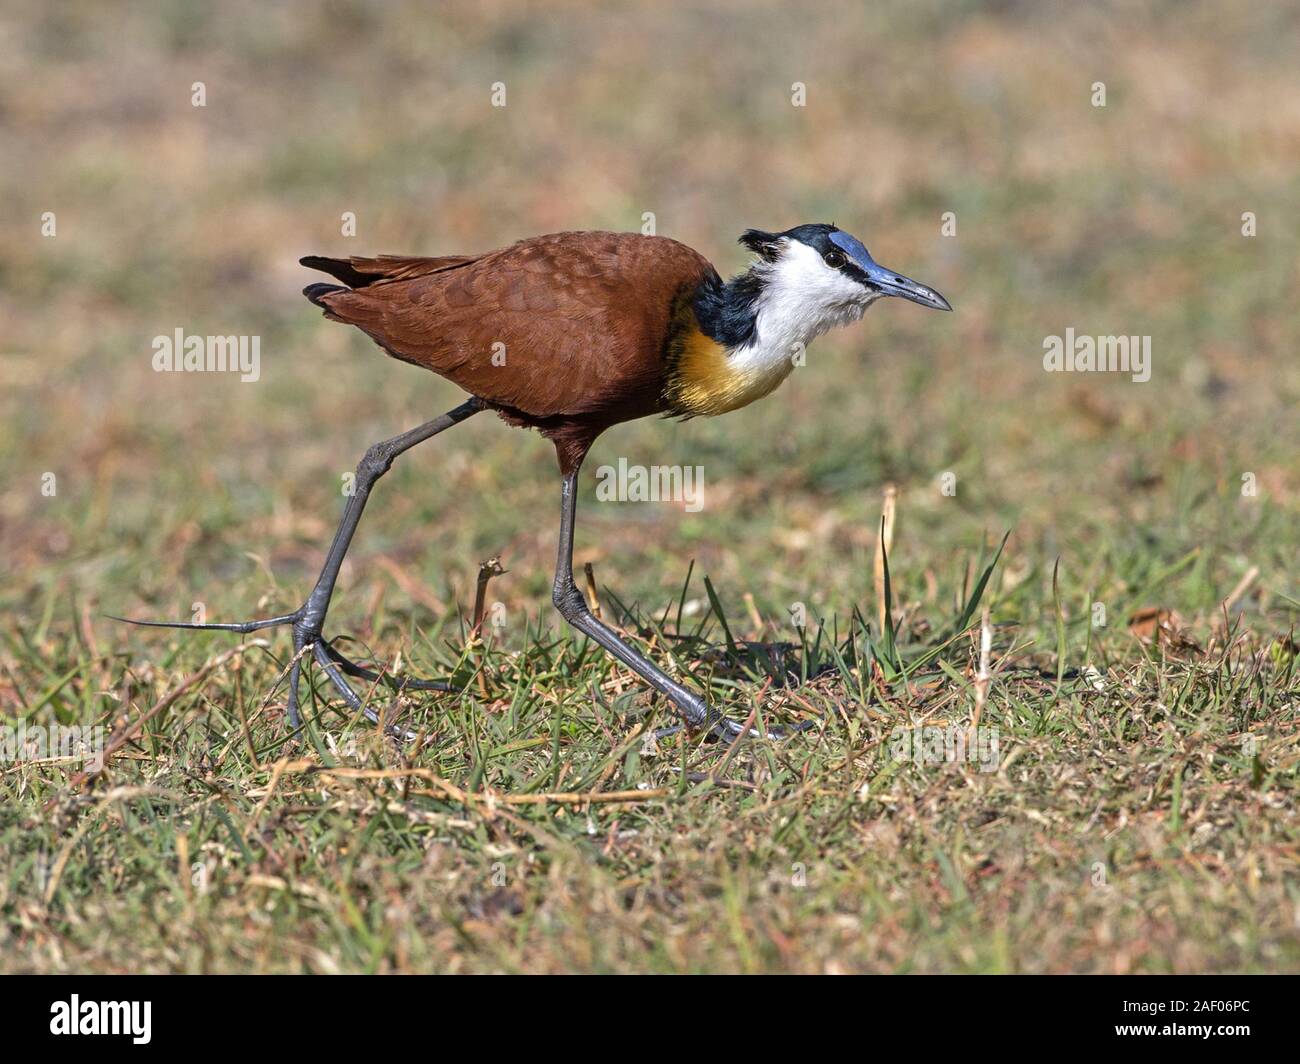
834 259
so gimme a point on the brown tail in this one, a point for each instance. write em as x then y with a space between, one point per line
340 268
360 273
317 292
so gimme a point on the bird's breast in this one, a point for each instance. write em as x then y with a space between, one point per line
706 378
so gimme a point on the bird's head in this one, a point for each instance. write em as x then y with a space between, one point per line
829 273
753 329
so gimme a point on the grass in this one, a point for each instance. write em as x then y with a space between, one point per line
542 828
1142 682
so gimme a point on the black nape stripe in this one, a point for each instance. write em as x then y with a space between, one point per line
727 311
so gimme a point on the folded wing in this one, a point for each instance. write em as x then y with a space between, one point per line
565 325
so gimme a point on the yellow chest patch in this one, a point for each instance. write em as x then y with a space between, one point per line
707 379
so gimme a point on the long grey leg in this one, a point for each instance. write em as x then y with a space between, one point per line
573 607
308 618
377 461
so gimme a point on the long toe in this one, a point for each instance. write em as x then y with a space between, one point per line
397 683
295 674
354 701
230 626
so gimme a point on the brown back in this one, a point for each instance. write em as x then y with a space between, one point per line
583 318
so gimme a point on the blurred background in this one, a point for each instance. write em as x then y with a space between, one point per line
964 143
1118 219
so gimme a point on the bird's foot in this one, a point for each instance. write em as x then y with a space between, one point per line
309 642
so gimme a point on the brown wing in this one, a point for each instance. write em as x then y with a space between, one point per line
572 324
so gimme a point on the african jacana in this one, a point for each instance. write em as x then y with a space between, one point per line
597 328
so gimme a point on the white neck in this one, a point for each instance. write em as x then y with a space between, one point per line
801 299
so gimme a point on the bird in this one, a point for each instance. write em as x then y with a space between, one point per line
569 334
